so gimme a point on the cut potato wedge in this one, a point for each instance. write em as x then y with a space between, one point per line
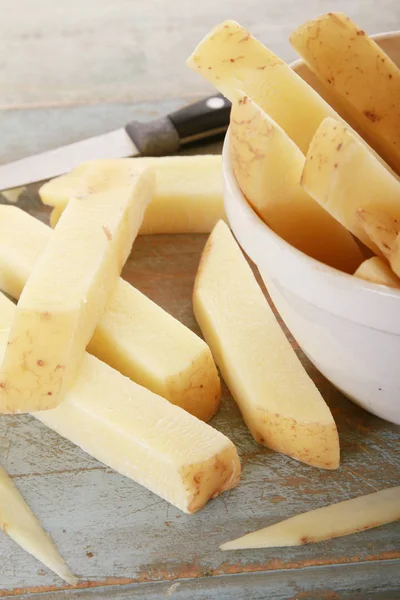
55 216
335 520
359 74
67 293
18 521
384 231
233 60
343 175
142 435
378 271
134 335
268 168
280 404
187 197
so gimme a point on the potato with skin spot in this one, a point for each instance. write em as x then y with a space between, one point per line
279 403
66 294
376 270
359 75
187 198
344 175
232 60
268 167
384 231
141 435
335 520
133 335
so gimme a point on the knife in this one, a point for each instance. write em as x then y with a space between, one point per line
193 124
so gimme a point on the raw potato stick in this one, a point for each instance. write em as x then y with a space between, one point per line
233 60
142 435
268 168
335 520
376 270
18 521
344 175
384 231
358 74
187 197
134 335
280 404
67 293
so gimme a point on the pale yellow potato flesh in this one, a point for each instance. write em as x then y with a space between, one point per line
55 216
384 231
187 198
67 293
280 404
233 60
142 435
134 335
358 74
344 175
376 270
335 520
18 521
268 168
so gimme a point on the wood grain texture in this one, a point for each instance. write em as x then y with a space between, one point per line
122 540
96 51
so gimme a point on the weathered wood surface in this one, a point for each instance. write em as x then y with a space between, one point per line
92 51
122 540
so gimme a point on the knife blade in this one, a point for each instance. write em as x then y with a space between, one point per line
192 124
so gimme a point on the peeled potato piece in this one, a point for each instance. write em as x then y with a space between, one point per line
134 335
268 167
335 520
358 74
141 435
280 404
344 175
67 293
378 271
384 231
233 60
18 521
187 197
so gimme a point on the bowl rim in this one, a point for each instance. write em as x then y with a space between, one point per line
264 230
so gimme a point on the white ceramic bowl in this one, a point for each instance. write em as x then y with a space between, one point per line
349 328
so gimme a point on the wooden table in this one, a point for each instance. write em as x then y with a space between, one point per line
123 541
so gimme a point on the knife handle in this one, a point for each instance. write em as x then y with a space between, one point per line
192 124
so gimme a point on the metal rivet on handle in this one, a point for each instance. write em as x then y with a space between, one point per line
215 102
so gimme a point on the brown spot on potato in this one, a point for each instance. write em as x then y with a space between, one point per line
390 76
335 166
45 316
49 393
107 233
40 362
338 147
361 32
305 540
372 116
